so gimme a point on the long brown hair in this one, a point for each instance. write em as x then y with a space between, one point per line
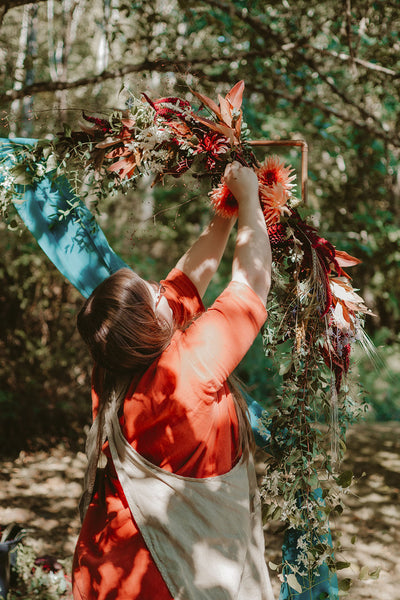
120 326
124 335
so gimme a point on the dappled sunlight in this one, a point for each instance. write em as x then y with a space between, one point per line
372 515
41 491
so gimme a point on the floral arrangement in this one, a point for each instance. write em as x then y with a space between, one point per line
40 577
315 315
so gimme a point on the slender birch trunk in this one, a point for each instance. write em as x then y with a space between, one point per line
31 55
59 50
19 73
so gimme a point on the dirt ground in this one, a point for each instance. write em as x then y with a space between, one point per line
41 491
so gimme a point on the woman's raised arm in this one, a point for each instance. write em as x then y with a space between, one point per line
252 258
201 261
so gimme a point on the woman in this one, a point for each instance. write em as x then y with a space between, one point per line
175 513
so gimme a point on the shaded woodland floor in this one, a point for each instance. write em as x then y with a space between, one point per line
41 491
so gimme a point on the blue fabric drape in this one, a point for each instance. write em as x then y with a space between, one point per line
80 251
75 244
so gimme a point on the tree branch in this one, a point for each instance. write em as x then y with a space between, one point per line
51 86
6 5
161 65
347 100
302 43
347 8
359 61
244 15
389 136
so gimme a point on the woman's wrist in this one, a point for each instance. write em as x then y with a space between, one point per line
224 222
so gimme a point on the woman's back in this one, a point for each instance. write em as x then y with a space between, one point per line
180 417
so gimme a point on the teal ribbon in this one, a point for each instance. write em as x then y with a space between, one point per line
75 244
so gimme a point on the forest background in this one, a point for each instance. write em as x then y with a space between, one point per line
324 71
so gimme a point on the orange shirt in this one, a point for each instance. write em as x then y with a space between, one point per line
181 417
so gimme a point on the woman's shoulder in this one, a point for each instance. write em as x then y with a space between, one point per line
182 297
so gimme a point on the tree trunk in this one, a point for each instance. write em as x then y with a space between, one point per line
6 5
19 74
31 54
71 13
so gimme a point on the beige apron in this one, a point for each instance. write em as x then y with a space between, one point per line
204 534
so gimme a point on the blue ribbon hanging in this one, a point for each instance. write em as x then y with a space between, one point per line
74 243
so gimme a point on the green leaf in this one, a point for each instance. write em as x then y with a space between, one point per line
21 174
46 151
293 583
363 574
13 225
276 513
345 479
338 509
285 365
374 574
339 565
313 481
67 130
344 585
51 163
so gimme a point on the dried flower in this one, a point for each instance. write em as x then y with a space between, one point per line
228 113
223 201
275 185
212 146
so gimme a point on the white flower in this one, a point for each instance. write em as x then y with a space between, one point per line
40 171
302 543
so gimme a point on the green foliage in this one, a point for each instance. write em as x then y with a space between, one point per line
43 364
35 582
379 375
316 72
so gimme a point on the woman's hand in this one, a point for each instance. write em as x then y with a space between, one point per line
242 182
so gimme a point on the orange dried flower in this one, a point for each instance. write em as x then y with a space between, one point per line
275 185
223 201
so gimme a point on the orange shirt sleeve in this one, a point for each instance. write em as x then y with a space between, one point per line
214 344
182 296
